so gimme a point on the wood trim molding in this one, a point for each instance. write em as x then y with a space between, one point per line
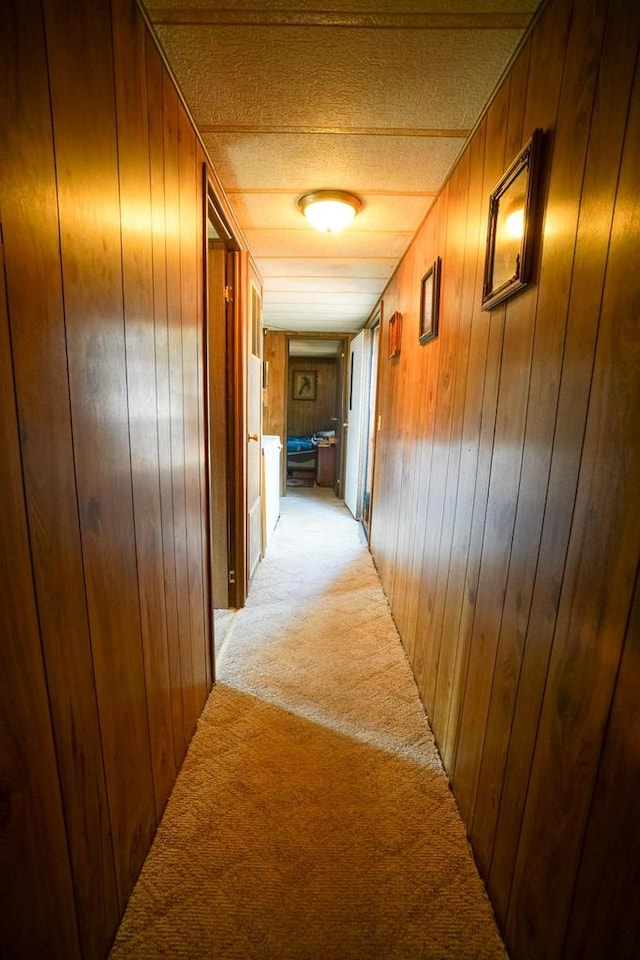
185 16
251 128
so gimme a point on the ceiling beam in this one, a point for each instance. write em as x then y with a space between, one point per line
302 18
253 128
287 191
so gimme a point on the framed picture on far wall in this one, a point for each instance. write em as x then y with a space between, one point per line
304 385
430 302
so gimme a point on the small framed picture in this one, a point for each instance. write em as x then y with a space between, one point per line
395 334
304 384
510 231
430 302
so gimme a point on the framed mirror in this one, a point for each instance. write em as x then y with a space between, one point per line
510 230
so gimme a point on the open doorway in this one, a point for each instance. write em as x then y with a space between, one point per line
224 412
314 409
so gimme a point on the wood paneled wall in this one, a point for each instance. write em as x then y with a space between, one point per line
506 521
275 405
304 417
104 579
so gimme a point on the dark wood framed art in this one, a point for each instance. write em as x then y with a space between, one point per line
511 227
430 302
395 334
303 385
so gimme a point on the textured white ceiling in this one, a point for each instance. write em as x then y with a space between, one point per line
392 165
337 76
364 95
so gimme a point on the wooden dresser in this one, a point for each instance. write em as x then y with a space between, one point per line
326 465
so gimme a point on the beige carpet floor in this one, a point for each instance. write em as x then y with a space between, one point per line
311 819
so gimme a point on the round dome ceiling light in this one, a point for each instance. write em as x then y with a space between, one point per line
330 211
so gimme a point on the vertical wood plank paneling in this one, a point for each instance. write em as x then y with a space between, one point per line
407 430
506 463
402 426
382 461
596 595
483 385
605 915
275 353
83 112
569 152
30 228
137 267
91 697
452 243
171 112
408 584
517 135
391 440
594 226
461 488
528 547
384 465
459 293
388 461
38 916
413 424
163 385
494 404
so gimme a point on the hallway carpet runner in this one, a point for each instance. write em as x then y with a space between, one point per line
311 819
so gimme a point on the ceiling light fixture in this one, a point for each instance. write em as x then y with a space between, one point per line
330 210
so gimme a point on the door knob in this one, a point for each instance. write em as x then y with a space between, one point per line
254 436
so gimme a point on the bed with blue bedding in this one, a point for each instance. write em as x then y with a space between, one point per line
302 459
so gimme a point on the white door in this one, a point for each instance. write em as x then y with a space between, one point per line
369 440
356 408
254 424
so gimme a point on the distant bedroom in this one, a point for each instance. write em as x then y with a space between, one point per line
314 401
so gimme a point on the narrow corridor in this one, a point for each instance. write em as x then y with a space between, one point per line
312 819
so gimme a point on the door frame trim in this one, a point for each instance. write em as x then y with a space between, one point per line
346 339
235 385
